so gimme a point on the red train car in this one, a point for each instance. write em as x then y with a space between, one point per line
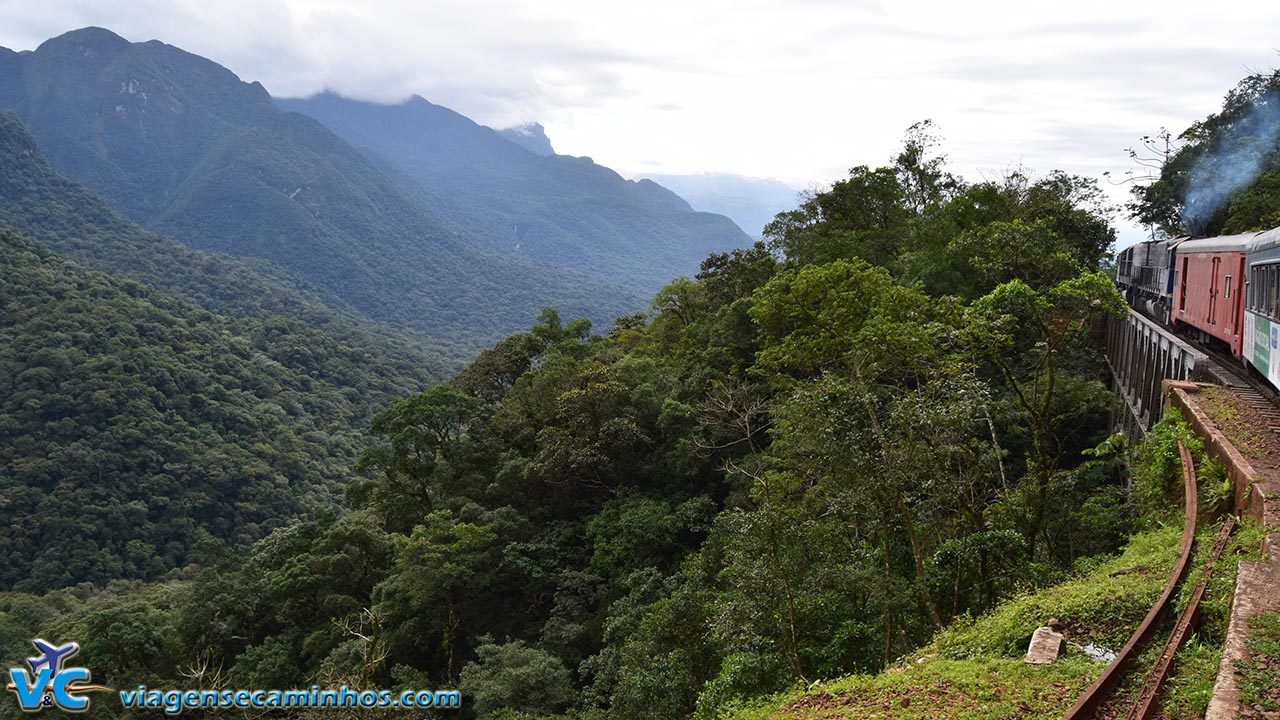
1208 290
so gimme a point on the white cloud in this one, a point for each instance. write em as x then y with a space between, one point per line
794 90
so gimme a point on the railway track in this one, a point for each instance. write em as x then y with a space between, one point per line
1254 392
1100 700
1145 705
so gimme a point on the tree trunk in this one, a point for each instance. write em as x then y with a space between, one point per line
988 590
793 646
451 641
918 560
888 594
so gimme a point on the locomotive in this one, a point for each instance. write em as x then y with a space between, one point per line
1224 290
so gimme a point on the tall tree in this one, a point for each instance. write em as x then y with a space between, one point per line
1026 334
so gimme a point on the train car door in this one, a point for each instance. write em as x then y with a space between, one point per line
1182 287
1238 303
1213 290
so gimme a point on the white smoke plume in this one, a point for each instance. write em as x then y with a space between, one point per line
1233 163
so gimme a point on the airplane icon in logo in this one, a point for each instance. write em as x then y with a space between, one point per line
53 657
50 682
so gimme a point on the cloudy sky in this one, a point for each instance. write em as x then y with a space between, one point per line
797 90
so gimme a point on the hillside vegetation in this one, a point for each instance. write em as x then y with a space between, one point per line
800 463
565 211
138 432
974 669
37 202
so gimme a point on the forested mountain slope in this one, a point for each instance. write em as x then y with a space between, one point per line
133 425
563 210
77 223
182 146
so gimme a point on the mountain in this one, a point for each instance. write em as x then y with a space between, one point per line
531 137
187 396
750 202
562 210
77 223
135 426
182 146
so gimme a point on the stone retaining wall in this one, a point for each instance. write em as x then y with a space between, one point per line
1257 494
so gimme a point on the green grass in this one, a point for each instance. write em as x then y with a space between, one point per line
1101 606
974 668
1196 664
959 689
1220 406
1215 607
1259 673
1195 668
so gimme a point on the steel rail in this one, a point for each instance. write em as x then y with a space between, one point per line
1144 707
1098 693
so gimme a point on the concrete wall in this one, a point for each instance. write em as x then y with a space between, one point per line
1257 583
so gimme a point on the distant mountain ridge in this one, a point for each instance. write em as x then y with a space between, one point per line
182 146
76 223
531 137
509 189
751 202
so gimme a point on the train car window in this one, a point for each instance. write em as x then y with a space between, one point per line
1264 290
1256 288
1273 293
1226 288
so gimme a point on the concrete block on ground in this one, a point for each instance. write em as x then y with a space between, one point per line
1046 646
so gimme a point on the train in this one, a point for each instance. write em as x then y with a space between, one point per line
1224 291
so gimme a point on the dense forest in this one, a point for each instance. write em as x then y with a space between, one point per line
134 427
799 463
